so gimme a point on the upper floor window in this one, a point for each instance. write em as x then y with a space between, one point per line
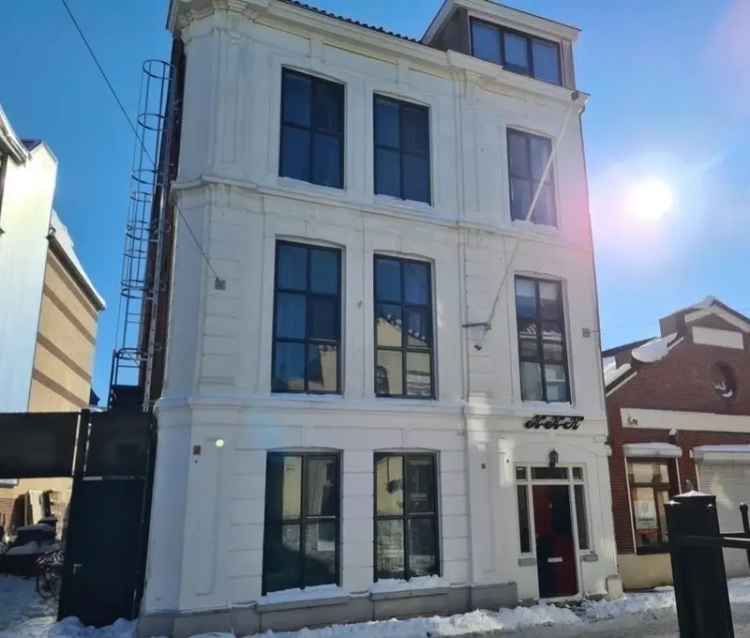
301 546
307 319
527 156
402 149
403 328
312 129
517 52
541 340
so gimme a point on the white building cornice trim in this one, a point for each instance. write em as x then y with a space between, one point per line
642 419
307 194
722 453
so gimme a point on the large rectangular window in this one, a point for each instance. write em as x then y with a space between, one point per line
307 319
516 51
406 522
649 491
312 129
301 546
402 149
541 340
403 328
527 158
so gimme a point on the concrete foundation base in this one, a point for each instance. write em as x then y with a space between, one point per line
290 616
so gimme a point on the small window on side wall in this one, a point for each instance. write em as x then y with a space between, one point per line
541 340
312 129
402 149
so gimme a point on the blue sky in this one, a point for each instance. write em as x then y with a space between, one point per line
670 99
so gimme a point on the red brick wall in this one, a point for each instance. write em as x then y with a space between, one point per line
682 382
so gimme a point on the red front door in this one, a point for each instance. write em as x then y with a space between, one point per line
555 545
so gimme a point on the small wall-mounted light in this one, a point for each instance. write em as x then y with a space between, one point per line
554 457
219 443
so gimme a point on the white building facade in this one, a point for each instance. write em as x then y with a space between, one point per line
395 406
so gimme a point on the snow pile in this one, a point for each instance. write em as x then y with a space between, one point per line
627 605
395 584
72 628
474 622
309 593
654 350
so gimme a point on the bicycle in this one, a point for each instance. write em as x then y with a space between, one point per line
49 568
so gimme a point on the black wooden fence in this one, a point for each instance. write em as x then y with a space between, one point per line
110 457
700 580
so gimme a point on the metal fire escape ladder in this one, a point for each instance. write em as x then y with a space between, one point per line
141 282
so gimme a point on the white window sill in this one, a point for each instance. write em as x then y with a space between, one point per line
405 205
303 598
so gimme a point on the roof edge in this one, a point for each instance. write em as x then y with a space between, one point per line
10 141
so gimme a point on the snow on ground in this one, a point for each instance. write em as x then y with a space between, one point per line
24 615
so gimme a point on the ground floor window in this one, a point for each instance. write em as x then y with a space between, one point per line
406 521
649 490
301 546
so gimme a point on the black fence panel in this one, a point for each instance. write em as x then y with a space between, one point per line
118 444
37 445
101 574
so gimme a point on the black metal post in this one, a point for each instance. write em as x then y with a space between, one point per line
745 526
700 579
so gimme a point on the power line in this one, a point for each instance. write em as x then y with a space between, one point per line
220 282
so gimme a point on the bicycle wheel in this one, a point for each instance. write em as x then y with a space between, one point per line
46 585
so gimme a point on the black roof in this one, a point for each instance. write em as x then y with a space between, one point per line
309 7
31 144
611 352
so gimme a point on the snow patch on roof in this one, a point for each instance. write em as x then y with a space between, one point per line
65 241
613 372
654 350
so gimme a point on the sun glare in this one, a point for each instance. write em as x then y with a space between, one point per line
650 199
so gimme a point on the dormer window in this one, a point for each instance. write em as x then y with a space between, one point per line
516 51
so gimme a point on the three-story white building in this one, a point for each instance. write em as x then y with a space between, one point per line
394 406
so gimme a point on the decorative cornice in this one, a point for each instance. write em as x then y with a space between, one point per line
517 230
182 13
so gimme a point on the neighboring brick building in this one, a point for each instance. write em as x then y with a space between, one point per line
679 416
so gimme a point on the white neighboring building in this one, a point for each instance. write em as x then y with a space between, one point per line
28 173
364 195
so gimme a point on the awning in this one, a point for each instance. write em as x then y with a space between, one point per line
653 450
725 453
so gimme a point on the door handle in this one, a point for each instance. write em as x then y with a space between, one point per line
77 568
555 559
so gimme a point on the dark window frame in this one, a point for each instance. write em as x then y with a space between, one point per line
663 546
307 340
341 135
304 519
529 176
501 31
405 516
399 150
538 321
405 347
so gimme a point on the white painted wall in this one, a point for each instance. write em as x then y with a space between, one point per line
24 219
206 540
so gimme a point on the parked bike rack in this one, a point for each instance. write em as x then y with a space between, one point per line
698 571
